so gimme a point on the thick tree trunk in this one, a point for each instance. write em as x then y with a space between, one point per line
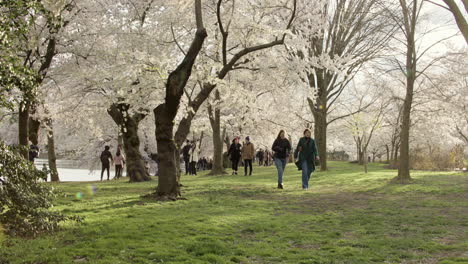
169 166
33 130
136 169
168 180
128 125
361 158
54 176
23 129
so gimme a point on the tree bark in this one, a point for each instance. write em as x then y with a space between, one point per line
459 17
388 153
128 125
54 176
33 130
168 180
169 167
320 129
23 127
410 19
215 121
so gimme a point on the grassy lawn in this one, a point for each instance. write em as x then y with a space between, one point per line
345 217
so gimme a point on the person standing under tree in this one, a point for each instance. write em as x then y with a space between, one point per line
106 159
234 154
306 153
248 153
281 148
186 154
119 162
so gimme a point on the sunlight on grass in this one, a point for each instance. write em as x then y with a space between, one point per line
346 217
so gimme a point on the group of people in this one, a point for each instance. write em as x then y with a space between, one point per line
192 159
246 152
305 155
107 159
264 157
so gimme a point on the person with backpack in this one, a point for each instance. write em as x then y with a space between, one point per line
119 162
281 148
106 159
234 154
306 153
186 155
248 153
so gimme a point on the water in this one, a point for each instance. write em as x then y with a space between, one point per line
70 171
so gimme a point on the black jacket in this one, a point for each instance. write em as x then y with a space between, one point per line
281 147
235 151
105 156
186 151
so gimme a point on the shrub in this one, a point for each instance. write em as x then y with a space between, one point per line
25 202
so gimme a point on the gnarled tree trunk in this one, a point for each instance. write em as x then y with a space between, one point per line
128 125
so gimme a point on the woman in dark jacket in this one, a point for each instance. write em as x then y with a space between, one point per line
281 148
307 153
234 154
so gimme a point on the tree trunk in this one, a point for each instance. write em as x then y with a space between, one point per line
361 158
33 130
215 121
319 111
23 133
54 176
168 180
365 159
136 169
410 17
388 153
128 125
395 155
459 17
165 114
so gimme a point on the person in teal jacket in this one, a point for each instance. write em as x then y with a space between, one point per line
306 153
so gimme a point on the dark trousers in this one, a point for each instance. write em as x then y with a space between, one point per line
187 165
235 164
118 171
105 166
193 168
247 162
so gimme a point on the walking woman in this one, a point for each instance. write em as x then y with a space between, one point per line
281 148
194 158
234 154
248 153
307 153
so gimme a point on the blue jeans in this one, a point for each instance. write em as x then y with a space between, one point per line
306 171
280 166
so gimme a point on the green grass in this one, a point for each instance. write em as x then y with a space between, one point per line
345 217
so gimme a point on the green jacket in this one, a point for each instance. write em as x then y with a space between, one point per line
309 152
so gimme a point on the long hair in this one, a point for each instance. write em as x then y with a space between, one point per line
279 134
